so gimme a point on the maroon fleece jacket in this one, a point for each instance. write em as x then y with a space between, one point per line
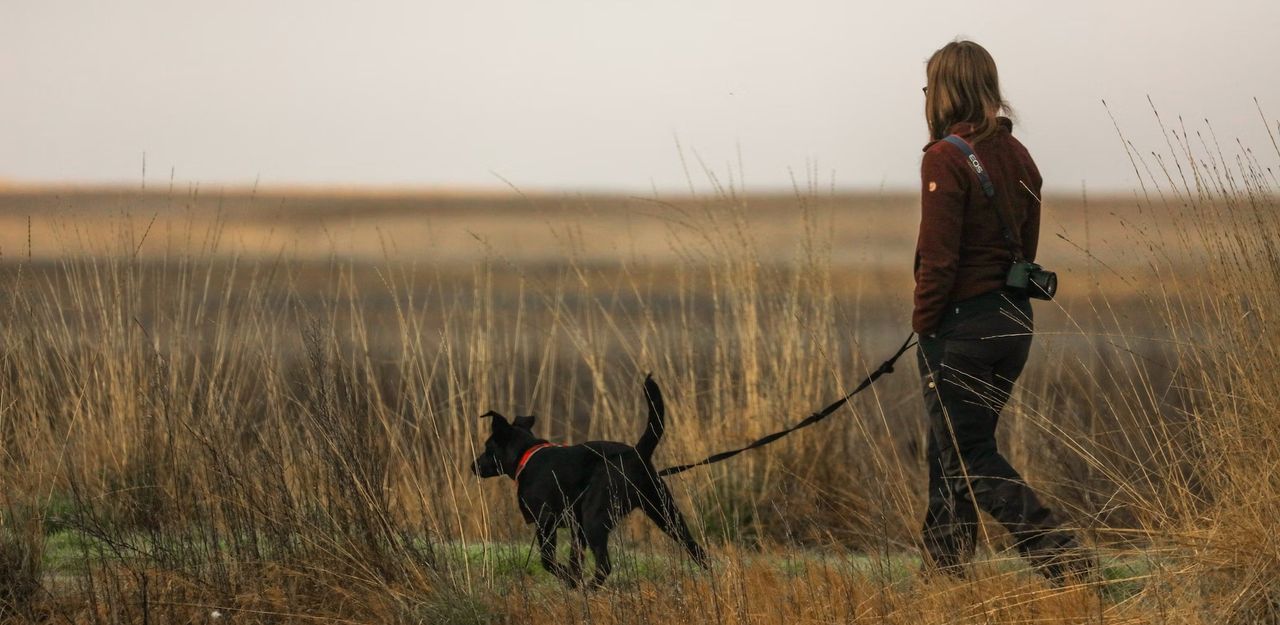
961 252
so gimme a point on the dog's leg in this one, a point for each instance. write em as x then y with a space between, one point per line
547 545
661 508
597 538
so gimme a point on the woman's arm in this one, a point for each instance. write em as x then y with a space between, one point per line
1031 227
945 186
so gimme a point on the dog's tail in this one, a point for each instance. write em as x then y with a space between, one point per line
657 411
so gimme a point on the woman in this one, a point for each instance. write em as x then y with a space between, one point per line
974 333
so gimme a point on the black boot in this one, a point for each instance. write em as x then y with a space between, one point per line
1062 559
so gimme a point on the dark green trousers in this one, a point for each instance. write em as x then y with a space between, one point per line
968 369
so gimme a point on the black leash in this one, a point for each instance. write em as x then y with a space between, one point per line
885 367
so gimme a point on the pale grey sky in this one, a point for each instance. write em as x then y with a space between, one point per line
573 94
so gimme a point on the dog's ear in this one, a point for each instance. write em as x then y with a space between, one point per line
525 422
499 422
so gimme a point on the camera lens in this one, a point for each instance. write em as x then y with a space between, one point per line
1050 284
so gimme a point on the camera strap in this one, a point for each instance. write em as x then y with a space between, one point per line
988 189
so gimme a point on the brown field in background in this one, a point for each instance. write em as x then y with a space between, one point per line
264 402
457 228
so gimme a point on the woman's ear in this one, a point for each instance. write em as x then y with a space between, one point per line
525 422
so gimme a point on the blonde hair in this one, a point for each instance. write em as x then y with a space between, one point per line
963 86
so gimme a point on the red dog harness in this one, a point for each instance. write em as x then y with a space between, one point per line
528 453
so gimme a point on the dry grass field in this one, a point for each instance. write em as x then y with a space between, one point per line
259 406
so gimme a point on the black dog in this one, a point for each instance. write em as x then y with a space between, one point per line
587 487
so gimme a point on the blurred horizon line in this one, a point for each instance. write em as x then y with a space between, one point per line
10 187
